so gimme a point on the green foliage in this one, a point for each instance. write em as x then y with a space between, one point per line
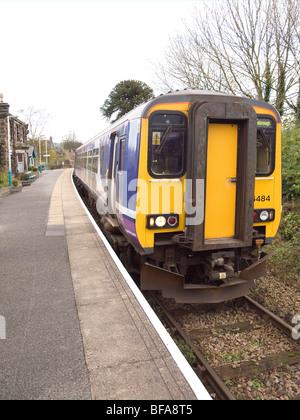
291 162
186 351
286 263
25 177
15 182
3 179
257 384
289 229
125 96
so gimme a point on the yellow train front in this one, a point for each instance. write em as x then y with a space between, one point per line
207 197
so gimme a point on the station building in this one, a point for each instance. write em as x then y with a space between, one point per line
13 140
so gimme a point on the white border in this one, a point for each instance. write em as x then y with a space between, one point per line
187 371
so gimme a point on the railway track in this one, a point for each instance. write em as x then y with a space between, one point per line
238 346
203 368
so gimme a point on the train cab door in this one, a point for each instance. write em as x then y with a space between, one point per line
221 181
222 156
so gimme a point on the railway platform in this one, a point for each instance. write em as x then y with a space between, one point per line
73 325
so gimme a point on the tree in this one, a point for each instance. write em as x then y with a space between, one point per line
242 47
36 120
71 142
294 44
291 162
125 96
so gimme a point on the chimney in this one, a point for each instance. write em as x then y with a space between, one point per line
4 108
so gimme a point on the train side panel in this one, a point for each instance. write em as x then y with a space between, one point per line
268 194
128 161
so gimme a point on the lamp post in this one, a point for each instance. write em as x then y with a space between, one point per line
40 154
46 156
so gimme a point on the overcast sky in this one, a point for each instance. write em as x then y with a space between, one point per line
66 56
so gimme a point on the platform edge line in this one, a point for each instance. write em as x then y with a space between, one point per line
196 385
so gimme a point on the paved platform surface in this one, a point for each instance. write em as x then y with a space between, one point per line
42 356
74 329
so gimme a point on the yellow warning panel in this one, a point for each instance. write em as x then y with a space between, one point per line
220 207
156 135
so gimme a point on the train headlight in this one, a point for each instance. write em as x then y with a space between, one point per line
162 221
263 215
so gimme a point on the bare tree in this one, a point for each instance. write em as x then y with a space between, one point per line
246 47
293 43
36 120
70 141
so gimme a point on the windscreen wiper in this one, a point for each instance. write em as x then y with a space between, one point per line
163 140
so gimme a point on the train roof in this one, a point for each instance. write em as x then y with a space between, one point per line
187 95
197 95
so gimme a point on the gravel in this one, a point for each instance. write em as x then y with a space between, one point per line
257 342
282 298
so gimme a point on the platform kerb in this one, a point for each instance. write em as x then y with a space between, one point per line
125 356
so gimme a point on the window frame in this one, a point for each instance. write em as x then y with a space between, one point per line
272 133
161 127
122 145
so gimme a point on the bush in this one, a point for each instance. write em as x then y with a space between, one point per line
286 263
291 162
3 179
25 177
289 227
15 182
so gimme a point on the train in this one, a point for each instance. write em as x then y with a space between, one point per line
187 189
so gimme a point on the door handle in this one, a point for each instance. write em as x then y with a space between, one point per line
233 180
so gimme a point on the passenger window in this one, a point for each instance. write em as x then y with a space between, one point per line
90 160
101 159
122 154
84 157
95 160
265 146
167 139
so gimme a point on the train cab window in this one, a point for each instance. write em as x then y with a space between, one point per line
167 144
265 146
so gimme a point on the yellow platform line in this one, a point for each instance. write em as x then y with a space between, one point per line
56 214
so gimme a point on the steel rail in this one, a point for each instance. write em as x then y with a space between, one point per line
212 377
278 322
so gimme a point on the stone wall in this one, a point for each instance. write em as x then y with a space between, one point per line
18 140
4 111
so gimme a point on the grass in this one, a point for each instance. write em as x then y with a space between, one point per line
186 351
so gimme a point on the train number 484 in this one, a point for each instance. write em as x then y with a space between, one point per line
262 198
